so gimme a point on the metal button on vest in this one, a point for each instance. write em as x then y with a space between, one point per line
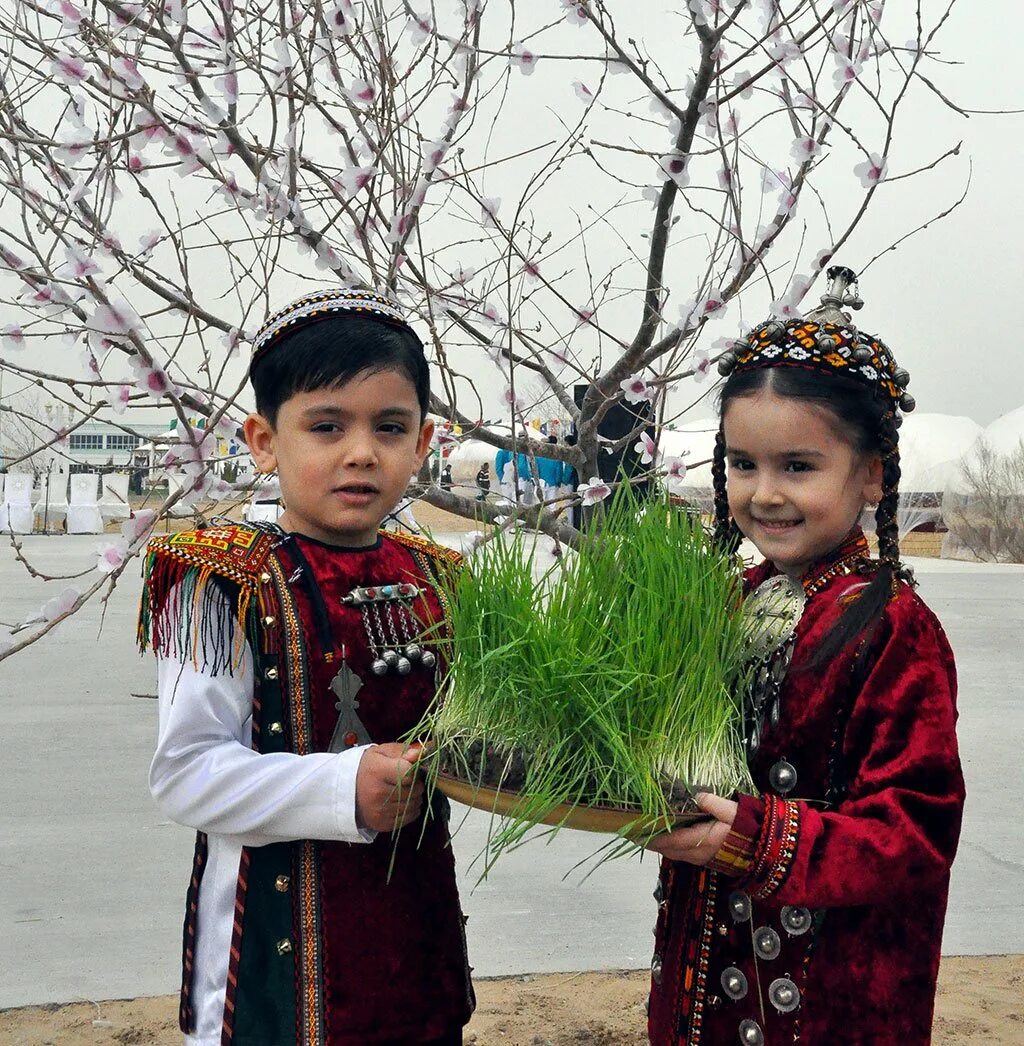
281 883
270 621
265 578
751 1034
739 905
734 983
767 943
276 727
795 921
284 946
784 995
782 777
271 673
723 930
714 1001
656 969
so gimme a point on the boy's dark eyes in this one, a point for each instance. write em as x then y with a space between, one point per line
389 428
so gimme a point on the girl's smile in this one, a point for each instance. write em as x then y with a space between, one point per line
796 485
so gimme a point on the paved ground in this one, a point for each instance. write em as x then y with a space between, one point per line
93 877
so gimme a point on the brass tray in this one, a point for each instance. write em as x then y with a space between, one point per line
611 820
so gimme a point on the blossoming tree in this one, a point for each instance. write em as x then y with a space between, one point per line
573 200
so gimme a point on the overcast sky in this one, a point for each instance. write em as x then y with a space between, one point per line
948 300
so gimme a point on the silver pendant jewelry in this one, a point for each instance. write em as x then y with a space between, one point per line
349 730
391 627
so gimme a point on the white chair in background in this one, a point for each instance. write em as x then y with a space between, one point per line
16 507
83 509
114 496
51 506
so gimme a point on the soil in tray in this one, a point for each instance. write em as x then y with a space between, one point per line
491 766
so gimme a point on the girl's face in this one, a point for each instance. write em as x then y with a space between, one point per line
796 486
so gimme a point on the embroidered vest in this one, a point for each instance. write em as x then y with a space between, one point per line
334 943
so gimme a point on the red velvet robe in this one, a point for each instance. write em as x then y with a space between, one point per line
335 944
854 896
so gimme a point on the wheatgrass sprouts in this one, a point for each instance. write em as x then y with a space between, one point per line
615 679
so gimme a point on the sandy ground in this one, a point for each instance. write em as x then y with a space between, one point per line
981 1000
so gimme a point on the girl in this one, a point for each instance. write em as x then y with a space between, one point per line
814 911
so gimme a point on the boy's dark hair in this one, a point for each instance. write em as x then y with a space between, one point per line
868 423
333 351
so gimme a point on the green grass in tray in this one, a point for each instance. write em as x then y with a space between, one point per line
613 679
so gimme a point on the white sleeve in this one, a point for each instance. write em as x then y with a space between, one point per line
206 775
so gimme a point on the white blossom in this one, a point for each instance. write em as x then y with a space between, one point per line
646 448
594 491
524 59
871 171
635 389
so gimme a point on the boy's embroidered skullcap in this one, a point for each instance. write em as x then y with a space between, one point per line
324 305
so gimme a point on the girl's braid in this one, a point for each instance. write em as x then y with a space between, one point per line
727 534
886 525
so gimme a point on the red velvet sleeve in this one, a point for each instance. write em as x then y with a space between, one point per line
897 828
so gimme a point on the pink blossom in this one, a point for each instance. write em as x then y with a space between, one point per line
871 171
90 366
12 336
575 11
111 556
674 165
69 69
421 28
128 71
401 225
701 365
713 303
138 525
433 153
118 398
675 474
117 317
444 439
152 380
583 316
490 313
583 93
646 448
510 399
341 18
148 241
846 72
354 179
232 339
822 258
593 491
788 306
10 259
459 107
79 264
489 207
524 58
725 177
361 93
635 389
70 15
59 605
532 271
462 275
805 148
228 86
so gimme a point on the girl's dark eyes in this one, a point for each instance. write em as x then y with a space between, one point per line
799 466
745 465
741 464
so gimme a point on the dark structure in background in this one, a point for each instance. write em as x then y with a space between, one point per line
622 418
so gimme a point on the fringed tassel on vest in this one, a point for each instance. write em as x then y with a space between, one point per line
187 613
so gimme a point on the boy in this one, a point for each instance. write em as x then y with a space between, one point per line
291 660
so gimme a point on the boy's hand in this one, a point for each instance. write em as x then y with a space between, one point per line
698 843
389 787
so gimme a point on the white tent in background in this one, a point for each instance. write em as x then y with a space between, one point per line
983 503
931 447
467 458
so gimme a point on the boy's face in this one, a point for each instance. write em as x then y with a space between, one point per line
344 456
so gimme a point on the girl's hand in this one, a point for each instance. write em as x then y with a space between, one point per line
698 843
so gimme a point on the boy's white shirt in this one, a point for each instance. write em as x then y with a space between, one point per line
205 775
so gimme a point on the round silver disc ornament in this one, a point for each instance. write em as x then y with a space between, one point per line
751 1034
413 652
734 983
770 616
656 969
428 659
784 995
739 906
767 943
782 777
379 667
795 921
